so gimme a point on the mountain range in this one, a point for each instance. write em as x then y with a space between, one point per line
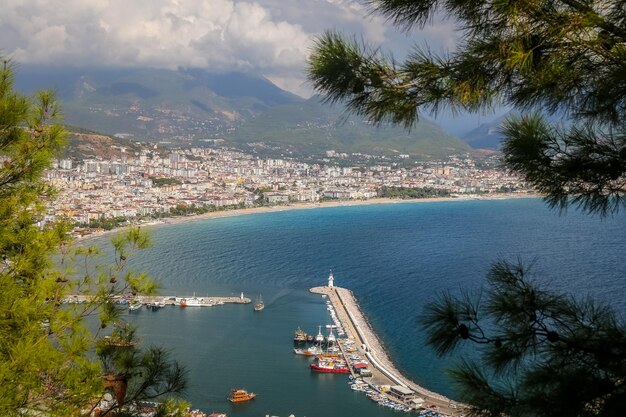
187 106
489 135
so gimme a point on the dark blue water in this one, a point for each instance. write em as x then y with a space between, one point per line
395 258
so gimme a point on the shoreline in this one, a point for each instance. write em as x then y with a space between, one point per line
306 206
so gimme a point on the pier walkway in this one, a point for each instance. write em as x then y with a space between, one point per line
205 301
383 370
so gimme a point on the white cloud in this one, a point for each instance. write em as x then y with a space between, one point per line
269 37
218 34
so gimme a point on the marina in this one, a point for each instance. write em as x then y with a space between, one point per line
371 370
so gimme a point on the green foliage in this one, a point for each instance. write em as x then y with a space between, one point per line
161 182
183 210
542 354
583 165
46 348
105 223
406 192
146 374
561 57
42 357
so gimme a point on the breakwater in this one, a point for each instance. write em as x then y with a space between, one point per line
384 371
189 301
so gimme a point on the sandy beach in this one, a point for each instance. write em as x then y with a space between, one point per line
308 205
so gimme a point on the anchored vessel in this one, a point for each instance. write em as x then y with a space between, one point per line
238 395
330 365
319 339
313 350
300 336
197 302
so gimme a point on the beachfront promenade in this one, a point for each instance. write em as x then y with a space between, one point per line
384 372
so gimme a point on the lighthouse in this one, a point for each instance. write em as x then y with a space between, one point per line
330 280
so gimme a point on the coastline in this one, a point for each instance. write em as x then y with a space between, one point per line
306 206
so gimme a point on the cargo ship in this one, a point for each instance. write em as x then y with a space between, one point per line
238 395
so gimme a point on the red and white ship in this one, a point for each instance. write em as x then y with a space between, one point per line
330 366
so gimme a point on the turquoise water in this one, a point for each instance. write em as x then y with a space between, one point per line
395 258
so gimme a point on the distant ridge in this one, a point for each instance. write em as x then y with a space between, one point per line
188 105
155 104
489 135
312 127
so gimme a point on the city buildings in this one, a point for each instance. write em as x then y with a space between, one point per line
187 181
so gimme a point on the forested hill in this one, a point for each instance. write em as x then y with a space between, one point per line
187 106
312 127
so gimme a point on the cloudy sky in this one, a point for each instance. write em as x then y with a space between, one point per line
266 37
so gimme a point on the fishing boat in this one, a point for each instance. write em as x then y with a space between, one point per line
331 339
259 305
238 395
320 337
300 336
329 355
330 366
313 350
155 305
135 305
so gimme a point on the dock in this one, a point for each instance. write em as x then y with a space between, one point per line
203 301
384 372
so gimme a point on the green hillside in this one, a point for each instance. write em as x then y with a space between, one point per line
188 105
152 104
312 127
83 143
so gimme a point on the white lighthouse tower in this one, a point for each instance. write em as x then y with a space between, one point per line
330 280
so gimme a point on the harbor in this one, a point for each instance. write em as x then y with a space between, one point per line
348 346
376 375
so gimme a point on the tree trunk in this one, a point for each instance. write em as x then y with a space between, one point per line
119 384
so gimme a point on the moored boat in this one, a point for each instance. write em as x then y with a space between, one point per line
155 305
330 366
331 339
238 395
320 337
194 302
300 336
313 350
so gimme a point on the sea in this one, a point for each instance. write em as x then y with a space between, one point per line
396 258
